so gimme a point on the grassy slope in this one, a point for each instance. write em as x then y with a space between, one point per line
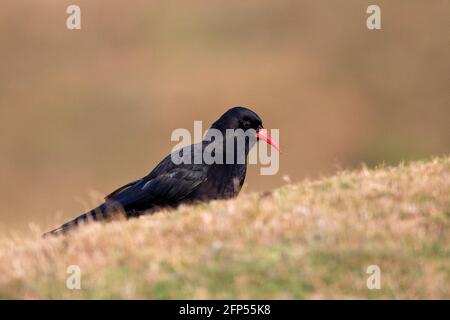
309 240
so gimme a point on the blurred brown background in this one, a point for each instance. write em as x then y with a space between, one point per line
86 111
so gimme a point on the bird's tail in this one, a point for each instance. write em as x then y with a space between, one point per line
103 212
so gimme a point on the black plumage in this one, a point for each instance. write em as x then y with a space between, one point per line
170 184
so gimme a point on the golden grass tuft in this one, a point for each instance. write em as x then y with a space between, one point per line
313 239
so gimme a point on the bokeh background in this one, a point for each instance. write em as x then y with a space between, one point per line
84 112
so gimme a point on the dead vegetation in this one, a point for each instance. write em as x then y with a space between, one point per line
314 239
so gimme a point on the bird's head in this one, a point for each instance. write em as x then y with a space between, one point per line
245 119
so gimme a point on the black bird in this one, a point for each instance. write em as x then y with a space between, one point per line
171 183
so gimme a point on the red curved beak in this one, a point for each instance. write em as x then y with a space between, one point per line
264 135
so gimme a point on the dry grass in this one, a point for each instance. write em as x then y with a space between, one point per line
309 240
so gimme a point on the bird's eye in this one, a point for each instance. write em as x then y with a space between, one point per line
246 124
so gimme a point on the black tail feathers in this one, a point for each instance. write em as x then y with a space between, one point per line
102 212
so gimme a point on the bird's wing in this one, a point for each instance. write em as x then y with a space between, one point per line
164 166
165 189
165 185
175 184
121 189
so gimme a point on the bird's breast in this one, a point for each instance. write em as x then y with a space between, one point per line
223 181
